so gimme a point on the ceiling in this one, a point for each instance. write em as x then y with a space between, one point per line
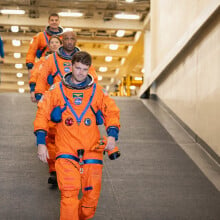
96 29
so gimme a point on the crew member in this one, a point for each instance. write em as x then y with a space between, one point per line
54 44
55 67
39 44
58 64
78 163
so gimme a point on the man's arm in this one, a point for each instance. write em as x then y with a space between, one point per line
35 72
93 73
111 115
41 125
31 54
42 84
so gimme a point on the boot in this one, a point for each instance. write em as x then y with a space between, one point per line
53 178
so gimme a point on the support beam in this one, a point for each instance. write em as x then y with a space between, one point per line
72 22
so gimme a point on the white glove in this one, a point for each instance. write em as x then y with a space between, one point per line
42 152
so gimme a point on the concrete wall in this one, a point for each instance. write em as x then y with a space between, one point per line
190 85
170 19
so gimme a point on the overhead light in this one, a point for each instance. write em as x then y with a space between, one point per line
12 12
120 33
70 14
14 28
99 78
138 78
143 70
20 83
132 87
19 75
113 46
103 69
21 90
107 88
108 59
129 49
122 61
127 16
16 43
18 65
17 55
112 80
117 71
67 29
129 1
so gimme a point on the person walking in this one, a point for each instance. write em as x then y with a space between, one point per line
79 154
39 44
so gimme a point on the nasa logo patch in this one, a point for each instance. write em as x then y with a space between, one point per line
78 101
67 69
87 122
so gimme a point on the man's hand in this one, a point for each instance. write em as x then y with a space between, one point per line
2 60
42 152
33 99
110 143
29 73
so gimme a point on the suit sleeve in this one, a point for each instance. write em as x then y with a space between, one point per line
93 73
42 84
111 114
31 54
45 106
34 74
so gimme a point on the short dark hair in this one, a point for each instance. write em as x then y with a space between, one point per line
53 15
54 36
82 57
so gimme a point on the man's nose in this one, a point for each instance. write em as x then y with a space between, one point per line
70 42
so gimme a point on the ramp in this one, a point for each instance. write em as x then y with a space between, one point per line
153 179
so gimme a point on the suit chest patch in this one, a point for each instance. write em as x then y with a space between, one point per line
66 64
87 122
67 69
77 97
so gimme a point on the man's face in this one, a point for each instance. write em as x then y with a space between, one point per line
54 22
69 41
79 72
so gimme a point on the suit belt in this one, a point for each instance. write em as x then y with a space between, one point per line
87 161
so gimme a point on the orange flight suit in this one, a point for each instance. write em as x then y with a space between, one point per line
57 66
77 130
50 140
39 45
50 143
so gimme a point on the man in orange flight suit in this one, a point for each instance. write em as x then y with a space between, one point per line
54 44
78 163
55 67
58 64
39 44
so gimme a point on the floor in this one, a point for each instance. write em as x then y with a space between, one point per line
161 174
